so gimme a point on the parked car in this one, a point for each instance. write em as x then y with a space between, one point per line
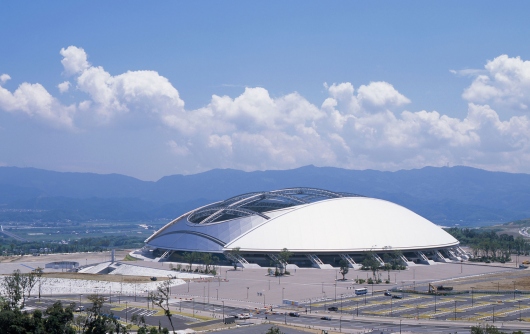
397 297
294 314
387 293
333 308
326 318
79 309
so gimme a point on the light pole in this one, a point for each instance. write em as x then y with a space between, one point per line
217 292
455 309
188 285
340 324
399 326
472 299
513 289
519 309
247 292
357 308
322 287
341 303
269 284
263 300
126 311
493 314
283 289
81 295
310 305
223 311
435 303
335 292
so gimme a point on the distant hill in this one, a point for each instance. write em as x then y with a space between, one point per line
443 195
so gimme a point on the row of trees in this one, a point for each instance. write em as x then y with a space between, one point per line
207 261
392 261
16 288
489 245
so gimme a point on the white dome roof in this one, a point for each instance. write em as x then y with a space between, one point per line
347 224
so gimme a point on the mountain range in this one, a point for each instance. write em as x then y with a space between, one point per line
444 195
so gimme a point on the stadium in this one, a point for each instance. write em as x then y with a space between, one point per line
319 227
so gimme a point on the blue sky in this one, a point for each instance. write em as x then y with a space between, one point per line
182 87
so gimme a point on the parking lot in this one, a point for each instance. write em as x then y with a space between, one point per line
468 306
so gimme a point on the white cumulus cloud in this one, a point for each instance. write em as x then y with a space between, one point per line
64 86
35 101
364 127
505 84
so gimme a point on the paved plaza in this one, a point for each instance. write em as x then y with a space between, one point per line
203 302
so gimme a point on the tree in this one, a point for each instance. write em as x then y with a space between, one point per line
13 289
98 323
161 297
59 319
284 258
207 259
344 268
189 258
234 254
274 330
372 264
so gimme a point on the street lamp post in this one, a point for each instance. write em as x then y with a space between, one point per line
263 300
341 303
126 312
399 326
519 309
217 292
247 292
283 294
455 309
493 314
513 289
310 305
223 311
472 296
335 292
357 308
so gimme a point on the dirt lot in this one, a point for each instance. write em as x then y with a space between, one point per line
92 257
109 278
495 281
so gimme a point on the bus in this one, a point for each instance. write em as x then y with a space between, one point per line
361 291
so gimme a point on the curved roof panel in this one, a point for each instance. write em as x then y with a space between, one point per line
348 224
